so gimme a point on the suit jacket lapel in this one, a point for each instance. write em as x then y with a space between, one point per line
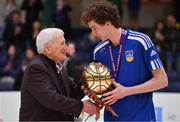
52 70
54 75
63 76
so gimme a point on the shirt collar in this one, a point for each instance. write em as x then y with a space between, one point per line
59 67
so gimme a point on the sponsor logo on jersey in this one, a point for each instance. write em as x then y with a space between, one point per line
153 53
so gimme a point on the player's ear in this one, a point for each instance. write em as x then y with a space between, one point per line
108 23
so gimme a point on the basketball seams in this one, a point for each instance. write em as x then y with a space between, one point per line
99 78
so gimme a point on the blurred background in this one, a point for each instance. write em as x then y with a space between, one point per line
21 20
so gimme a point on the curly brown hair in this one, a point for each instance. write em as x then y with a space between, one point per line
101 12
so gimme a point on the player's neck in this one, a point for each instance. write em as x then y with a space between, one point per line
116 35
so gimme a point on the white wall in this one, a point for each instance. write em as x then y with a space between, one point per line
9 105
167 107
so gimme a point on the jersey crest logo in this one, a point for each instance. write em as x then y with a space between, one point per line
129 55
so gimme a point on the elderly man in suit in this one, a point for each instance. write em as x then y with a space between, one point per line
46 92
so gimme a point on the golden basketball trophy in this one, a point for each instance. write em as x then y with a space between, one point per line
97 80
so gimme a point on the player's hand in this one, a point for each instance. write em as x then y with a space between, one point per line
117 93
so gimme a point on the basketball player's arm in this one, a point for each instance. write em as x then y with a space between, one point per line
158 81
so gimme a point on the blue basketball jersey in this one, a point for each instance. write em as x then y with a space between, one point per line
138 58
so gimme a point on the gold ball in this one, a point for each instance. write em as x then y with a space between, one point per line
96 77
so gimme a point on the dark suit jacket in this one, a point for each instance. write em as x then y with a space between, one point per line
42 97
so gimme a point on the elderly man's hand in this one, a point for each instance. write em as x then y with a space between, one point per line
89 107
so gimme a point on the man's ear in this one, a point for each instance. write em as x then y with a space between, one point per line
47 48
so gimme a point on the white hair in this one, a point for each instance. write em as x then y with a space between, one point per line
45 36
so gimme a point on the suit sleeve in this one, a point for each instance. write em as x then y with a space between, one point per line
41 89
75 87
